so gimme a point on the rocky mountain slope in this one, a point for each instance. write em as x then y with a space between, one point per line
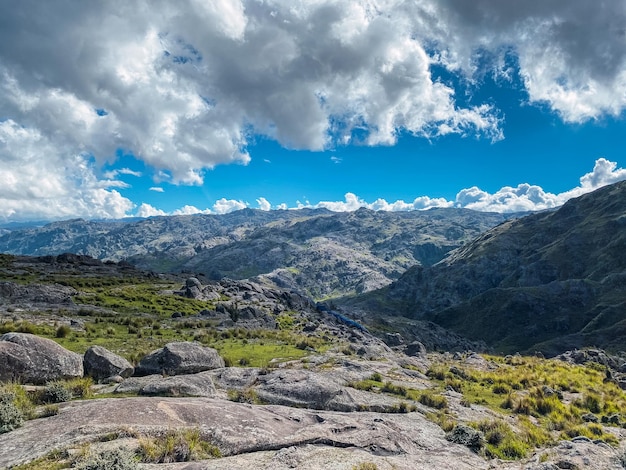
162 372
549 281
318 252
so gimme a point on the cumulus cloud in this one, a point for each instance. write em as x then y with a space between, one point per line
185 86
146 210
522 198
264 204
190 210
223 206
526 197
157 189
182 86
53 187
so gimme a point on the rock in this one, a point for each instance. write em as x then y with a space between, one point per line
415 349
54 294
100 363
30 359
394 339
191 385
589 418
180 358
299 388
192 289
247 432
467 436
234 377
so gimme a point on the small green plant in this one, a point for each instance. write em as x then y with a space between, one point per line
11 416
365 466
115 459
56 392
432 400
63 331
389 387
248 395
176 446
49 410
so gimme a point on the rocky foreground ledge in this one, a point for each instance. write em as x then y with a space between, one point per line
276 437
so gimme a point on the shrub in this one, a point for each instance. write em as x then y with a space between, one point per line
388 387
365 466
115 459
433 400
248 395
501 389
177 446
80 387
56 392
10 415
376 377
63 331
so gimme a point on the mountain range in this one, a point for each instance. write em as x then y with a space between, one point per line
320 253
546 282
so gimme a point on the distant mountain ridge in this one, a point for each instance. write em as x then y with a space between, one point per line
321 253
549 281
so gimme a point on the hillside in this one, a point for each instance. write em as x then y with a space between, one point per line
549 281
315 251
104 366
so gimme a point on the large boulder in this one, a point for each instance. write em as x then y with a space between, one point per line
298 388
100 363
180 358
30 359
192 385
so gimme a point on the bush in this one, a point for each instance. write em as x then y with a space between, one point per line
433 400
63 331
80 387
177 446
248 395
56 392
10 415
116 459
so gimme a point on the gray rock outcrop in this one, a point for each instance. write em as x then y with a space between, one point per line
179 358
191 385
300 388
30 359
100 363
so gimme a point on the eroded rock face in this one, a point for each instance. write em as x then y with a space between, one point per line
180 358
299 388
30 359
55 294
100 363
192 385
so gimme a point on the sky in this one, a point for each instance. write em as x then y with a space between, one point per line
124 108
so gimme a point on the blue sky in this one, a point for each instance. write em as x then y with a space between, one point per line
385 104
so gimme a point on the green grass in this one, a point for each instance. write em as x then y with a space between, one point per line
142 298
530 390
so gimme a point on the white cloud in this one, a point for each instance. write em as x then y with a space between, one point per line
61 185
186 86
224 206
121 171
526 197
335 159
157 189
522 198
264 204
190 210
183 86
146 210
